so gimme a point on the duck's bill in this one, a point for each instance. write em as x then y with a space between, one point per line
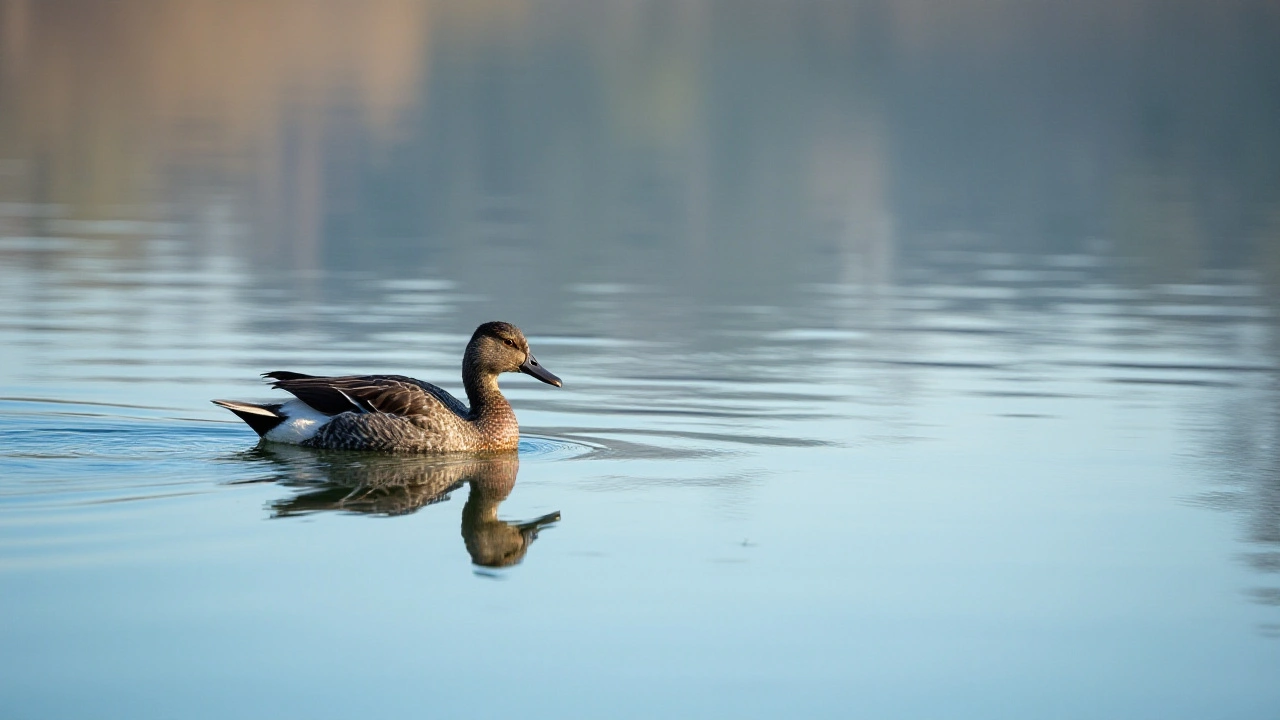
531 367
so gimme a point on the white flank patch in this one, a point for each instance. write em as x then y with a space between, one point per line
301 423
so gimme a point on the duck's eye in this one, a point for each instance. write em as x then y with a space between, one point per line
508 343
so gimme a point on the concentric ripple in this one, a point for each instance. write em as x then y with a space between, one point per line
540 447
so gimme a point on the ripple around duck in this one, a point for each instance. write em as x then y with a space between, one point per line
601 443
37 428
102 438
69 458
541 447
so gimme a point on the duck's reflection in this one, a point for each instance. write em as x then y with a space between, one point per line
397 485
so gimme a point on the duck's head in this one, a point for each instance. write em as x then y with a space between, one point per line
498 347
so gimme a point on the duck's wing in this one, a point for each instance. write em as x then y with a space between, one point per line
390 394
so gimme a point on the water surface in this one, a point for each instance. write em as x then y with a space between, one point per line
917 363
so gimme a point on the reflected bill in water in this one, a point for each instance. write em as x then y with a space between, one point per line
376 484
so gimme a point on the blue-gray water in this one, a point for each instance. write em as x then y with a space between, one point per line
920 358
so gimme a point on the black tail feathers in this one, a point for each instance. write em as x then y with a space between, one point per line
262 418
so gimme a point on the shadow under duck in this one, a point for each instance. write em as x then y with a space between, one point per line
400 414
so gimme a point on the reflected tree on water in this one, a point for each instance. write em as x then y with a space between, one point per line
1241 447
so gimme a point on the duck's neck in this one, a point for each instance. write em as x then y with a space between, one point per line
490 411
483 393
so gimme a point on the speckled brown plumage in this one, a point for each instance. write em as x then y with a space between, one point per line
400 414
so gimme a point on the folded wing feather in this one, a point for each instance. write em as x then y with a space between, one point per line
390 394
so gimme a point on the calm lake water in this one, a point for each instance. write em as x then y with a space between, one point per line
920 358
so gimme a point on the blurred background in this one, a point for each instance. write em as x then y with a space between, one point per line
1006 273
719 149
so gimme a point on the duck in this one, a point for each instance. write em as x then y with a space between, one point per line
395 413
